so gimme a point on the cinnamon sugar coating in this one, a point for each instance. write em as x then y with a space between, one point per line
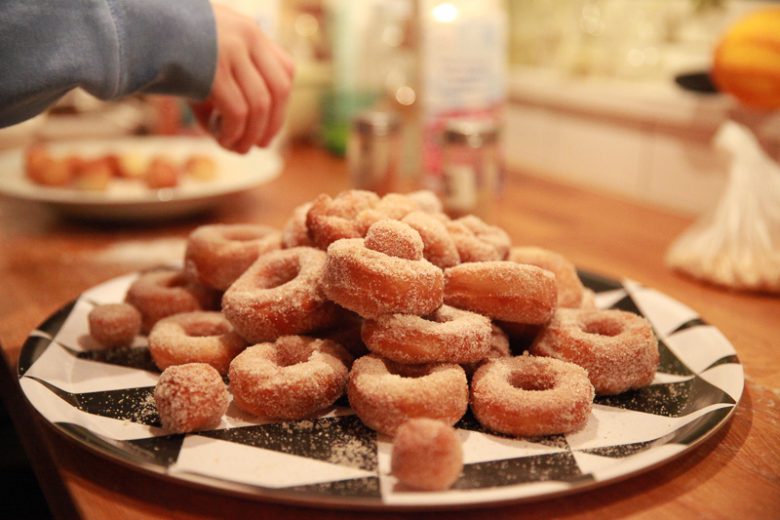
190 397
426 455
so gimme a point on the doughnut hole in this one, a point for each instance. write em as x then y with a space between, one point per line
603 327
292 351
532 382
279 273
114 324
190 397
427 455
407 371
395 238
206 329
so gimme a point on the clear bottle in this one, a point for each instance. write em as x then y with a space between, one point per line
472 171
373 151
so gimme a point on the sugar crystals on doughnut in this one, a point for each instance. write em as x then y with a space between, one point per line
371 283
114 324
291 378
330 219
161 293
201 336
570 289
438 245
531 396
427 455
190 397
395 238
217 254
280 294
617 348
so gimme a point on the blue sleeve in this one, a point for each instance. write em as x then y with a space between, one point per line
111 48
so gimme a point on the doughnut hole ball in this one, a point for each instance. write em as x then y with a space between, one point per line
190 397
426 455
114 324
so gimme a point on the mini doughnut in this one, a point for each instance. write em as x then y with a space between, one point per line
114 324
385 394
448 335
194 337
371 283
566 279
531 396
438 246
491 235
279 295
295 233
163 293
330 219
290 379
617 348
470 247
218 254
502 290
190 397
426 455
394 238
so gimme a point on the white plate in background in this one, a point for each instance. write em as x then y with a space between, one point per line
131 200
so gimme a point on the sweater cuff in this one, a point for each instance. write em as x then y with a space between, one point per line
165 47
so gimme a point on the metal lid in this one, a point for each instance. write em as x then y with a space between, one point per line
471 131
376 122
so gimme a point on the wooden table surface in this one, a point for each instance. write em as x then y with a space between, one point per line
46 261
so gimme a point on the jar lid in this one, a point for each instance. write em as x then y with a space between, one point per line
471 131
376 122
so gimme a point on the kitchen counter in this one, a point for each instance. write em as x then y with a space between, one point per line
46 261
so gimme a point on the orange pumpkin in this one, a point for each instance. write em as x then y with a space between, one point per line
746 63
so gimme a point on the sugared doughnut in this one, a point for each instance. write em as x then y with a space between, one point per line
385 394
426 201
279 295
568 282
162 293
426 455
290 379
531 396
217 254
395 238
392 206
502 290
190 397
194 337
114 324
491 235
448 335
371 283
295 232
470 247
330 219
438 246
617 348
499 347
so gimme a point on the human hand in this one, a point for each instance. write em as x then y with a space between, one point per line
251 85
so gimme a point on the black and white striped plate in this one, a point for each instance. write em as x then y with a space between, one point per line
103 400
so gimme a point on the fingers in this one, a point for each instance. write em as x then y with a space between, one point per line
251 85
259 104
278 79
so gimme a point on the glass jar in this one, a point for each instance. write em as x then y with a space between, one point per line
373 151
471 166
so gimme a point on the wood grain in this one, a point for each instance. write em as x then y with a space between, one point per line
46 261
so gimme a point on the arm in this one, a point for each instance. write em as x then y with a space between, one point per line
111 48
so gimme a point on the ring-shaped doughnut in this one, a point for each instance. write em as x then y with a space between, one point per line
448 335
330 219
290 379
506 291
385 394
372 283
218 254
617 348
194 337
162 293
570 289
280 295
530 396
